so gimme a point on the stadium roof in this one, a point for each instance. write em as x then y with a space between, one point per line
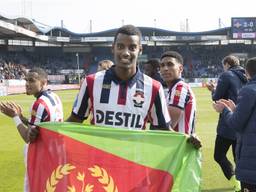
27 24
150 31
44 29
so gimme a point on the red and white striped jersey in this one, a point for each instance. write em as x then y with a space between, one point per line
47 107
180 95
124 104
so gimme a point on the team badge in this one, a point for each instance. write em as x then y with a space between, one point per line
138 99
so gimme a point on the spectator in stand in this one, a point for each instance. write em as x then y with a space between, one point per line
228 86
241 118
1 73
104 65
11 70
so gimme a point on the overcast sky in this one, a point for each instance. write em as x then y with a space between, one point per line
202 15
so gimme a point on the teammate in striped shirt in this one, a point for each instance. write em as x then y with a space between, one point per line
47 106
122 96
180 99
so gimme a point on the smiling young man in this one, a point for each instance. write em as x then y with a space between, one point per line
180 99
122 96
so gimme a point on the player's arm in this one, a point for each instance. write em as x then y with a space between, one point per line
19 110
23 131
175 114
39 112
11 110
244 111
82 105
176 103
24 120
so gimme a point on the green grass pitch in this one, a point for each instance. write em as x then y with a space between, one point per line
11 144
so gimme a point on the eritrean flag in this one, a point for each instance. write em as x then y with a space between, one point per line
70 157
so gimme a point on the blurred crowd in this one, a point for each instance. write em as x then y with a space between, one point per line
10 70
199 61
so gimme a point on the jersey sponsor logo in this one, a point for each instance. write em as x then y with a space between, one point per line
120 119
138 99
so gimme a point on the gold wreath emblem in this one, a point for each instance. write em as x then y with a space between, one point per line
96 171
104 178
57 175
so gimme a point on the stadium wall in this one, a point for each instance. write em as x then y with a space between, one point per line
13 86
3 90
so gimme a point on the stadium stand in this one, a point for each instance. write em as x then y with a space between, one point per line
25 43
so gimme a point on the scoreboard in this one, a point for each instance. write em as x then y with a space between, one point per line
243 27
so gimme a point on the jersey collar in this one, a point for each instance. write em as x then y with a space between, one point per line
174 83
112 75
42 93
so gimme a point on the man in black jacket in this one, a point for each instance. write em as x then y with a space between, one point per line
228 86
242 119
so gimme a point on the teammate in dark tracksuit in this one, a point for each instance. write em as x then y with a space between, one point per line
228 86
242 119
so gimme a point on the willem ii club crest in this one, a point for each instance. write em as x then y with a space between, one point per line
138 99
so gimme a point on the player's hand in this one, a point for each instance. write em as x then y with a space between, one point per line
219 106
33 132
210 86
231 105
17 108
9 109
195 141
